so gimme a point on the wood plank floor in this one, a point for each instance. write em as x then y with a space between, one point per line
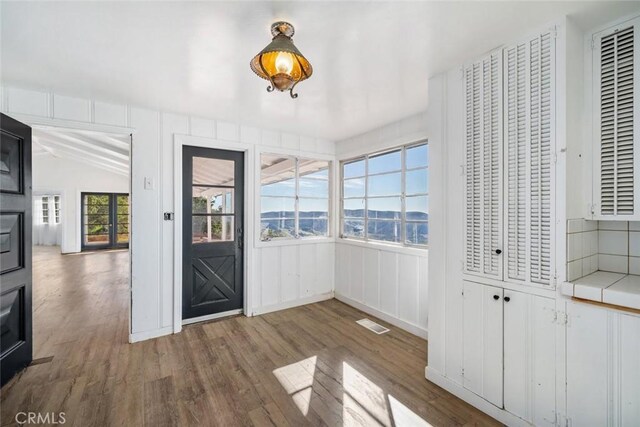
311 365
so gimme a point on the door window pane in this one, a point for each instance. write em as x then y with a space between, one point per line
212 228
387 162
213 171
417 181
384 230
417 157
385 185
384 208
212 200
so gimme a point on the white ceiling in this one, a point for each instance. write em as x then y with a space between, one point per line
371 59
109 152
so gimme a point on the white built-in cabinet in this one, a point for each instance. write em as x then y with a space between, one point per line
616 122
510 163
603 367
509 352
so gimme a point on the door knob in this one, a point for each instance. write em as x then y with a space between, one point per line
498 251
507 299
496 297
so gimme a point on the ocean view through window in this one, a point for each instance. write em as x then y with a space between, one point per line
385 196
294 197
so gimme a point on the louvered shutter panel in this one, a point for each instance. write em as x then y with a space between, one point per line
483 186
529 70
615 98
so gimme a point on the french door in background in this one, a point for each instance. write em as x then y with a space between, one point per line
105 221
212 239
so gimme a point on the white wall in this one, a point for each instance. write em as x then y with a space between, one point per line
68 178
385 280
283 274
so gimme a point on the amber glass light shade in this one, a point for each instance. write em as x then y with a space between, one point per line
281 63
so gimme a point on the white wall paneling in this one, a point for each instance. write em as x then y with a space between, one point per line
384 281
609 340
152 160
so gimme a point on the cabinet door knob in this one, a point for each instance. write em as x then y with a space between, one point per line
507 299
496 297
498 251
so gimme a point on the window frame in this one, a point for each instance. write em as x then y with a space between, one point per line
44 209
403 195
296 197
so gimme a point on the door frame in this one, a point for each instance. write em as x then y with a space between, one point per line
249 206
48 123
114 230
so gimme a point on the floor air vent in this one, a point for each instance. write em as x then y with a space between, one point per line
372 326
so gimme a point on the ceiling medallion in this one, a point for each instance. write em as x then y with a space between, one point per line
281 63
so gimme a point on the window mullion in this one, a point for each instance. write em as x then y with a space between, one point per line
365 232
403 199
297 201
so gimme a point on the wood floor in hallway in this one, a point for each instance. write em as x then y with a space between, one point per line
311 365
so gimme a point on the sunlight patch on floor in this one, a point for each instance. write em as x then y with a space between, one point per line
403 416
297 380
364 403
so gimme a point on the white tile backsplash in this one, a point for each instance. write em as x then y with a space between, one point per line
589 243
634 243
612 246
574 246
634 265
575 225
613 225
574 270
613 263
613 242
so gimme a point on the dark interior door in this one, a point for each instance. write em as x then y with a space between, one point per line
212 206
105 221
16 347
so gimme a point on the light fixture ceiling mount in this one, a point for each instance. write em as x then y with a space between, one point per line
281 63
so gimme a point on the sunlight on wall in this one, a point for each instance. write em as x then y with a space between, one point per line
297 380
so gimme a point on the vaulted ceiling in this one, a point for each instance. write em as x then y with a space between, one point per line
105 151
371 60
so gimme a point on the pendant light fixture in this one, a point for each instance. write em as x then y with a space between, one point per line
281 63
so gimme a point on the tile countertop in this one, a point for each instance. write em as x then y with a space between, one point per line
611 288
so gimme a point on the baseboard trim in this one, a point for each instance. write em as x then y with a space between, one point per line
291 304
409 327
147 335
473 399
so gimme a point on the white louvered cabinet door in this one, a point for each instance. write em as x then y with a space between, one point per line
483 167
616 118
529 159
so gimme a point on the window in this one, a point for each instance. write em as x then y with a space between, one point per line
50 209
385 196
294 197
